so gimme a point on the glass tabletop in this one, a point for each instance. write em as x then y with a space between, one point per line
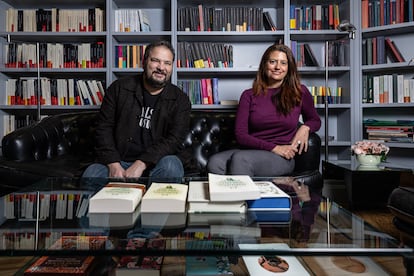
315 226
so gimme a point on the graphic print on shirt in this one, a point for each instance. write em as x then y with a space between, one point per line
145 117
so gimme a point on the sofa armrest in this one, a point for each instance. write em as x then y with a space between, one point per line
310 160
70 133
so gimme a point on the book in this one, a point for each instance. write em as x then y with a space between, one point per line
232 187
68 265
271 198
263 265
270 217
140 265
117 197
199 201
61 265
165 197
163 220
206 219
206 265
114 220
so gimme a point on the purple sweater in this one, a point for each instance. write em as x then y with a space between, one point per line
258 126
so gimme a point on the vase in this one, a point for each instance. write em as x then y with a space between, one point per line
369 160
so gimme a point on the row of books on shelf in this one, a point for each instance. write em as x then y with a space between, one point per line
131 20
203 91
129 56
319 93
11 122
400 131
55 20
390 88
53 205
380 50
379 13
66 92
314 17
305 56
55 55
204 55
239 19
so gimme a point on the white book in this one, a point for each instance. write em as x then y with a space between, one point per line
199 201
232 187
165 197
117 197
271 198
262 265
144 21
114 220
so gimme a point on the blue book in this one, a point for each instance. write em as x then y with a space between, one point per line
270 216
271 198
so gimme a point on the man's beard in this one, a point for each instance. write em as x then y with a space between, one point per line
154 82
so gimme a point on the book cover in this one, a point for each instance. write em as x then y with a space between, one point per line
165 197
199 201
61 265
271 198
140 265
263 265
206 265
117 197
232 187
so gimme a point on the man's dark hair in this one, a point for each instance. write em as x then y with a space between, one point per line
153 45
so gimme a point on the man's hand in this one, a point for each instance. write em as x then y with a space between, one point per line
136 169
116 170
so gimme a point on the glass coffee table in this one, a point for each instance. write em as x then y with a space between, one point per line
316 236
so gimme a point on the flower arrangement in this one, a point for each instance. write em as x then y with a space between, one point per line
368 147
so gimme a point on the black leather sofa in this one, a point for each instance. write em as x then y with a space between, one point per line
401 205
63 145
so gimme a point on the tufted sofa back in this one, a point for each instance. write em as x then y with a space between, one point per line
64 144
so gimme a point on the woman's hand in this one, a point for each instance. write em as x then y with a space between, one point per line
301 139
286 151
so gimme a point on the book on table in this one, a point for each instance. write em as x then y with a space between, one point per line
68 265
117 197
114 220
62 265
271 264
199 201
165 197
272 198
206 265
232 187
134 265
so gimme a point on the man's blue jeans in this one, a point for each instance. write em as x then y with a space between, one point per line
169 168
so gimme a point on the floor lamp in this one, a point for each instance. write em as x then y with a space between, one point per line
345 26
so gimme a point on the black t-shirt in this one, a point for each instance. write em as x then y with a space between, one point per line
142 137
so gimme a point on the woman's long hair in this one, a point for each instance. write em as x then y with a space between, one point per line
290 94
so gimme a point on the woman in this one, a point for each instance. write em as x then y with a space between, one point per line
267 120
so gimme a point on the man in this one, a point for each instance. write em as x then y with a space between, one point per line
143 122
